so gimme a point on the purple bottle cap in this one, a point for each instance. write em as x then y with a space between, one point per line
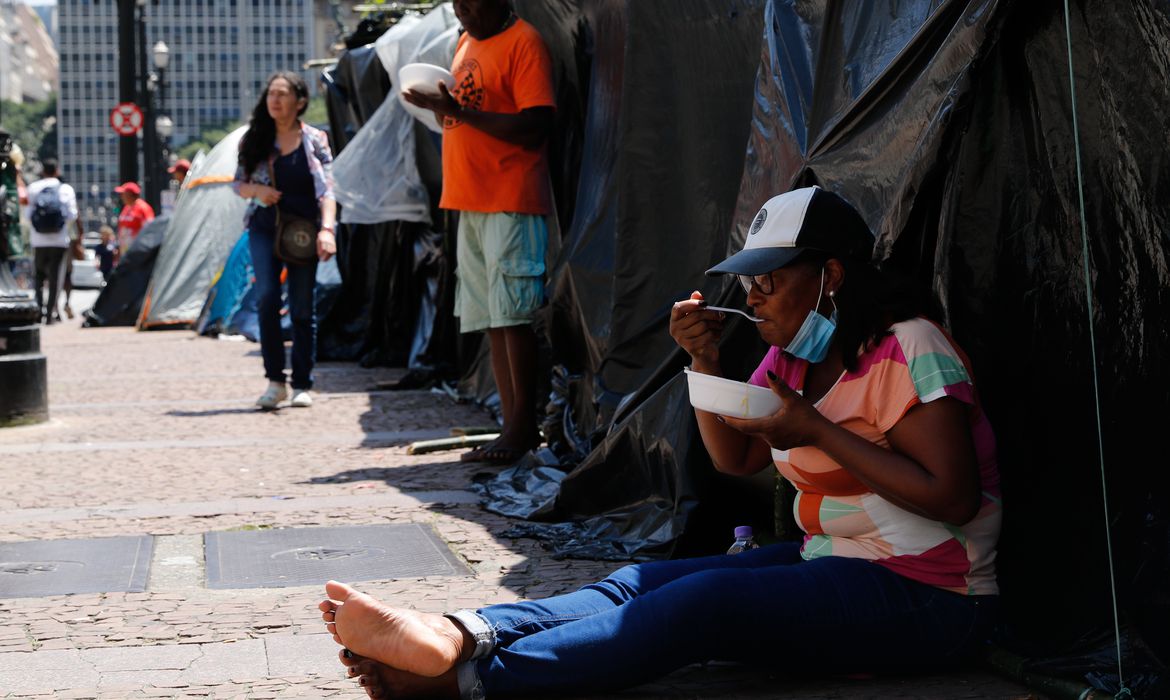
743 531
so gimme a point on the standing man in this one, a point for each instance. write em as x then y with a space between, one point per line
52 207
179 171
135 213
495 173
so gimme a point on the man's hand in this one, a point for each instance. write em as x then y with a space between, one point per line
443 104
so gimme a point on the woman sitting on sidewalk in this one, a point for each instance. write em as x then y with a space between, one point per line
894 463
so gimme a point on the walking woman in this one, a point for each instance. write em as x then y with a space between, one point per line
285 170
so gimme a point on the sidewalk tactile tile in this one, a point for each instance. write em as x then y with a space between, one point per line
308 556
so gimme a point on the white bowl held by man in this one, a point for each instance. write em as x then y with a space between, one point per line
424 78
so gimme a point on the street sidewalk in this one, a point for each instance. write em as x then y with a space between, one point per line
154 433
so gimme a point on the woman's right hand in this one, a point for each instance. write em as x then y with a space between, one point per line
267 195
697 331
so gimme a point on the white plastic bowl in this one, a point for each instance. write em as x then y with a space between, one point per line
730 398
424 78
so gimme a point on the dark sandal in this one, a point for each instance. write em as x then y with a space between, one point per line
502 456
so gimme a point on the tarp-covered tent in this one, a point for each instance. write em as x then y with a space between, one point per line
207 221
950 125
120 301
389 263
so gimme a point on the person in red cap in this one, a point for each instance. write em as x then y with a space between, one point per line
179 170
135 213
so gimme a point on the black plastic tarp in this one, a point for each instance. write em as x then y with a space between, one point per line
120 301
950 125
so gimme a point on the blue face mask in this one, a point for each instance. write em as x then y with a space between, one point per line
815 335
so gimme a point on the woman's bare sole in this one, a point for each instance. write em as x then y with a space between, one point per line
381 681
417 643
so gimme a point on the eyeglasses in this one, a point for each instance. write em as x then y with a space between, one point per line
761 282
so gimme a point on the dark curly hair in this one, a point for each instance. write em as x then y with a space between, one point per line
256 144
869 301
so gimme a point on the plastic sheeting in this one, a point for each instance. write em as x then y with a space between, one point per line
120 301
949 124
207 221
377 177
669 97
388 267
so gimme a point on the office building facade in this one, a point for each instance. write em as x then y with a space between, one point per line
221 51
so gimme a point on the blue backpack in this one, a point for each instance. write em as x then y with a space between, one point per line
48 216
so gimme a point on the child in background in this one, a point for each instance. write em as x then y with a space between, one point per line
107 252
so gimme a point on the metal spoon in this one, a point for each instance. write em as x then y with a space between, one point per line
746 315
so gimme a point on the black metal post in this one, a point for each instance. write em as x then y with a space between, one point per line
127 145
149 135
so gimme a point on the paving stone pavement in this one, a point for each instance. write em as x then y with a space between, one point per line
154 433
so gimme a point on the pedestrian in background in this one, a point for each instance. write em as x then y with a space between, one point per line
285 169
135 213
107 252
52 211
179 170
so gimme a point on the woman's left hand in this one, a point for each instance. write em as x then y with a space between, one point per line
798 423
326 245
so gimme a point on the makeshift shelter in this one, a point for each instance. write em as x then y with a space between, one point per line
120 301
390 252
208 219
950 125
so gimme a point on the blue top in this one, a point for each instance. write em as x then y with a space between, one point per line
298 196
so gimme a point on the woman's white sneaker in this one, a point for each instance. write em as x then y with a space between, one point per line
272 397
301 398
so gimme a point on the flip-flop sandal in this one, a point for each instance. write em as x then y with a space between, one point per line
475 454
502 456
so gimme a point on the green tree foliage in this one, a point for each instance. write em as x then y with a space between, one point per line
315 114
33 127
207 140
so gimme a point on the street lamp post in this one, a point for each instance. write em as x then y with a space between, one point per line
163 126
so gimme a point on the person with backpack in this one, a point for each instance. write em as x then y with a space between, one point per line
52 210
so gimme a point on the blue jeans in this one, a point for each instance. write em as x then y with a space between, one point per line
301 282
764 606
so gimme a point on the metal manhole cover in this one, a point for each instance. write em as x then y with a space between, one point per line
314 555
61 567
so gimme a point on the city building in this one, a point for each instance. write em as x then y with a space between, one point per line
28 58
221 52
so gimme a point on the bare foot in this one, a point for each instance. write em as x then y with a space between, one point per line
418 643
381 681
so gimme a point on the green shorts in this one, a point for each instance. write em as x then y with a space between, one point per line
499 273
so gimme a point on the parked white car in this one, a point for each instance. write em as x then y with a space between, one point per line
86 273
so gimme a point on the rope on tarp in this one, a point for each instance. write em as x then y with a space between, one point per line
1123 692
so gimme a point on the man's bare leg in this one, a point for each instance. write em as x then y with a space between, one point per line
418 643
520 430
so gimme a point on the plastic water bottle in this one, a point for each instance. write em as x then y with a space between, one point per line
744 540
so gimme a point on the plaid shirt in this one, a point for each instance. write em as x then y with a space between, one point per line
316 145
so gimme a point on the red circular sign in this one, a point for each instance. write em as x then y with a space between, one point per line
126 119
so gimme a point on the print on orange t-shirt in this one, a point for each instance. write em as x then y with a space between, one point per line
506 73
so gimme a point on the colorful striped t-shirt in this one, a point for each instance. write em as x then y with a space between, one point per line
840 516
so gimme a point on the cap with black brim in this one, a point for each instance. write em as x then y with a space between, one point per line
756 261
808 218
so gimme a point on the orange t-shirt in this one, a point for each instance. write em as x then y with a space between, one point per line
507 73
